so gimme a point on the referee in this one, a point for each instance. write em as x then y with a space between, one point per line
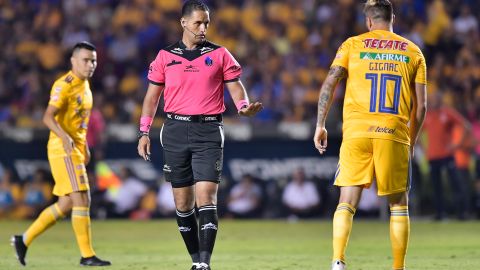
191 75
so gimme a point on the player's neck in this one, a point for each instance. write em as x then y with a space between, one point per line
384 27
78 75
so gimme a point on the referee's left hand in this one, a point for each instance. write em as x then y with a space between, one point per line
251 109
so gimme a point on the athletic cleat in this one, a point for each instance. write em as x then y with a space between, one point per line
194 267
20 248
203 266
338 265
93 261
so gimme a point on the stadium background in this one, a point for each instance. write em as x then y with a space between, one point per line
285 48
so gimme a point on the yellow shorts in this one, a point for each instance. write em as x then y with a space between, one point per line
363 159
69 174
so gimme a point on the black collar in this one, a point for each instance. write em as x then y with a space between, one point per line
184 47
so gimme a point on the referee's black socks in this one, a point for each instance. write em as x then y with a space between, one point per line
188 227
208 223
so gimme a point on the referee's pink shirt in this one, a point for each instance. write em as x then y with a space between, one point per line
194 80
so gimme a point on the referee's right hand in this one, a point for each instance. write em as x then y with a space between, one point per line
144 147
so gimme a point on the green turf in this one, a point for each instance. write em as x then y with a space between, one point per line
250 245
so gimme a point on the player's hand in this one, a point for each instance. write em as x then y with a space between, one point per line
320 139
144 147
68 144
251 109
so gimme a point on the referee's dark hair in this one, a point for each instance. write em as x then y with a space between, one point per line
83 45
192 5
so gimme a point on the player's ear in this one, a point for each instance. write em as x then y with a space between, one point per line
393 18
183 22
368 22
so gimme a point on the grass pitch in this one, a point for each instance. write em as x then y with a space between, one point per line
269 245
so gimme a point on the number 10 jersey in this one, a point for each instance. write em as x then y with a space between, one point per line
383 68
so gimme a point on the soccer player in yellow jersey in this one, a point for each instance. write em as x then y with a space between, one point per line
67 118
384 109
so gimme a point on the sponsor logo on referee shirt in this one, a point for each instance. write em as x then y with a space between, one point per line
177 51
191 68
384 57
174 63
205 50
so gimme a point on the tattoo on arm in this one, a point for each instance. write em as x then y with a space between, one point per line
335 75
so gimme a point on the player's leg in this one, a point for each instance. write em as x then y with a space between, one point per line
393 173
206 192
355 171
82 228
343 222
399 228
79 194
47 218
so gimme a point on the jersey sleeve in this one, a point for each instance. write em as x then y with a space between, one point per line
421 76
58 95
341 58
156 71
231 68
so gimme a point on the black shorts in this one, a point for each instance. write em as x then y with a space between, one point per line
192 151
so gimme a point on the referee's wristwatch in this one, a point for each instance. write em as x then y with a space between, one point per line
142 133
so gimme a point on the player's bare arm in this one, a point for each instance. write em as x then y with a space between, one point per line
149 108
88 155
52 124
238 93
335 75
418 113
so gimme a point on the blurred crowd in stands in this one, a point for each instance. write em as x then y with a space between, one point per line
285 48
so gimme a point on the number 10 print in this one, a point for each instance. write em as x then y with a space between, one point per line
384 78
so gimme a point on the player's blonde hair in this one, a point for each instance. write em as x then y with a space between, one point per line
379 10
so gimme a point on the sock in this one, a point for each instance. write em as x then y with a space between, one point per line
45 220
208 223
399 234
188 227
342 226
81 227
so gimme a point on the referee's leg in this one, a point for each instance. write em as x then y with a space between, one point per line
206 198
187 221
